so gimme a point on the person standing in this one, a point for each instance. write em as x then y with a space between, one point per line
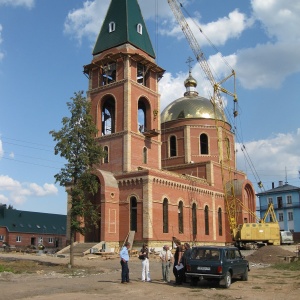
185 258
124 256
177 262
166 258
144 255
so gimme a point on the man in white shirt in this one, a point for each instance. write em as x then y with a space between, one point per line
167 259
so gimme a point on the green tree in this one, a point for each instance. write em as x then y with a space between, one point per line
77 144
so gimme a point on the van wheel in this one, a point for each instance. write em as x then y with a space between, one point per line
245 275
227 280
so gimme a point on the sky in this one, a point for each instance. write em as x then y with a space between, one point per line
44 45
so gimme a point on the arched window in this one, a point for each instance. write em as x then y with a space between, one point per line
139 28
203 144
145 156
106 159
194 219
173 146
165 216
108 116
111 26
133 214
227 148
142 117
206 220
180 217
220 221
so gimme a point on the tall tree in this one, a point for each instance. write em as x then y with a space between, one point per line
77 144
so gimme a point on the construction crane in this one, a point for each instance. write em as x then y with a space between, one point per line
238 232
216 99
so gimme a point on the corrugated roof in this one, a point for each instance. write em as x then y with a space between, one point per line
280 189
126 15
32 222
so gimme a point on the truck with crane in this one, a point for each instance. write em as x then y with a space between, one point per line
246 234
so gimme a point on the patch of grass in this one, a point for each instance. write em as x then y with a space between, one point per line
293 266
5 269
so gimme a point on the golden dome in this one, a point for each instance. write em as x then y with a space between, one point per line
190 81
191 106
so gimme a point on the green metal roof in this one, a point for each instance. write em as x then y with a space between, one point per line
32 222
126 14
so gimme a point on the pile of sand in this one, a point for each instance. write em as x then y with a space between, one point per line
269 255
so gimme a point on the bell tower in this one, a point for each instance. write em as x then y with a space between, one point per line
123 90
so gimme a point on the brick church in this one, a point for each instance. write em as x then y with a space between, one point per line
162 176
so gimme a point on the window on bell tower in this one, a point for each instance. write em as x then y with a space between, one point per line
108 116
108 74
111 27
139 28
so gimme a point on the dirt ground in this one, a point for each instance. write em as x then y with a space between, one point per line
48 277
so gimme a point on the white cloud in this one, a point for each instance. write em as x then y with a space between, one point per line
26 3
17 192
279 18
150 11
40 191
218 32
276 157
8 184
3 199
268 65
171 88
86 21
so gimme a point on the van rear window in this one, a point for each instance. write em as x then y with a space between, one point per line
205 254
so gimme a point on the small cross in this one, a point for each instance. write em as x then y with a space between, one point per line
189 60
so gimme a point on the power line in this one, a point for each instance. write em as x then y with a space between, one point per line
24 162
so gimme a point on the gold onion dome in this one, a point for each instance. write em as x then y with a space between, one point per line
191 106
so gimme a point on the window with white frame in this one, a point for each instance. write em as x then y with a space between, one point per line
2 238
270 200
290 216
111 26
289 199
18 239
50 240
139 28
280 217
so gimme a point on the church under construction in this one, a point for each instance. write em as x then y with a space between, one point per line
166 172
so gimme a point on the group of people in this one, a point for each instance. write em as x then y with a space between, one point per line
176 262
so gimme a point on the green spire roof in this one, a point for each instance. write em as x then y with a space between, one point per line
121 25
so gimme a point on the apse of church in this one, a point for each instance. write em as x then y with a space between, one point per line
161 177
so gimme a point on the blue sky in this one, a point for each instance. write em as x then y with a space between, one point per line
44 45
